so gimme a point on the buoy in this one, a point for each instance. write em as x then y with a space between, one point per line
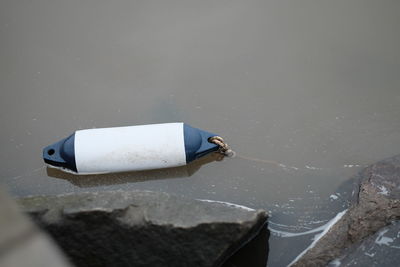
130 148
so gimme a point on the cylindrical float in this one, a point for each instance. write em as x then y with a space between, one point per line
130 148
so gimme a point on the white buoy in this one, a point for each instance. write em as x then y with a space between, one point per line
130 148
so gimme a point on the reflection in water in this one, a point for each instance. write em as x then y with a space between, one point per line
134 177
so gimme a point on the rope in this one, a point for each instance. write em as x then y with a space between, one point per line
223 146
226 151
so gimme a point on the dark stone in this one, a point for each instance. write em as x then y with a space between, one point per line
380 249
254 253
375 206
144 228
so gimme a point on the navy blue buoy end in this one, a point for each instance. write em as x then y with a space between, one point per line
61 154
196 143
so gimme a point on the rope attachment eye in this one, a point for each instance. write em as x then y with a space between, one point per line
223 146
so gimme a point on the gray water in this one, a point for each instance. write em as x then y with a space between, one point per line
313 86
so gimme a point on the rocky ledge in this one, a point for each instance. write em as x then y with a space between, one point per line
143 228
376 205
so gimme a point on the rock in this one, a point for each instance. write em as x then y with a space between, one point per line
380 249
254 253
142 228
23 244
376 205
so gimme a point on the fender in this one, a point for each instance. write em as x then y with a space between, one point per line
129 148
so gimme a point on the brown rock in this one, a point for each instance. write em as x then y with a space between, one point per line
376 205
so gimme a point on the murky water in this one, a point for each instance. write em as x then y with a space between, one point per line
311 85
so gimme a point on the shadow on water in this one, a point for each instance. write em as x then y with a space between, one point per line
133 177
254 253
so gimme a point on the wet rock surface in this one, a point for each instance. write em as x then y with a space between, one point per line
380 249
142 228
376 204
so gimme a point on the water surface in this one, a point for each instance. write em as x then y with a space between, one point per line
311 85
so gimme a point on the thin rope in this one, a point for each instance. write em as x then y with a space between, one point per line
225 150
263 161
